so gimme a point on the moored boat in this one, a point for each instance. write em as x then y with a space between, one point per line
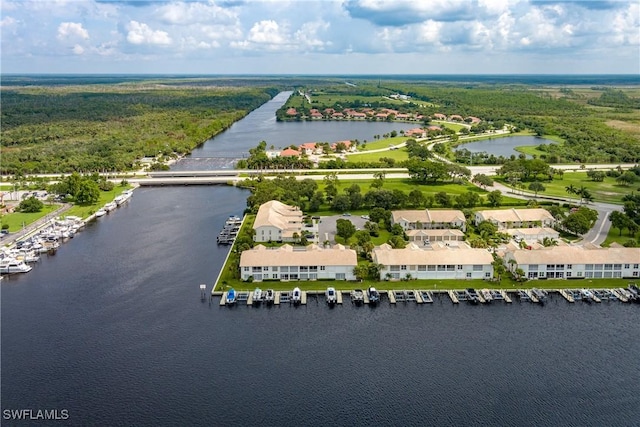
486 294
357 296
257 296
269 296
100 212
231 296
12 265
296 296
373 294
331 295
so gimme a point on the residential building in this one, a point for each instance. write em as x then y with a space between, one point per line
437 262
430 219
570 262
298 263
516 218
426 236
289 152
277 222
532 235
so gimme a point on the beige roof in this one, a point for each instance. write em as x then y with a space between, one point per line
277 214
428 216
577 255
337 255
530 231
414 255
516 215
435 232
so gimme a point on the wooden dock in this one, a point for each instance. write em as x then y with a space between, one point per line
303 298
506 296
481 298
365 297
276 298
419 299
620 295
250 299
338 297
392 297
531 296
566 295
223 300
453 297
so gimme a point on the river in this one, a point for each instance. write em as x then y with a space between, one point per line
112 330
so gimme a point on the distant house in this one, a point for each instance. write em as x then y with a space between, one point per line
439 116
348 144
292 112
429 219
403 116
570 262
289 152
277 222
456 118
310 148
316 116
434 128
337 115
288 263
516 218
439 262
472 120
415 133
382 116
532 235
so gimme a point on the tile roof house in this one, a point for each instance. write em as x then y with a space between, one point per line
439 116
310 148
277 222
456 118
416 132
442 263
429 219
575 262
289 152
292 112
516 218
298 263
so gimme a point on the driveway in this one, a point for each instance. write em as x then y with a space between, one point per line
327 226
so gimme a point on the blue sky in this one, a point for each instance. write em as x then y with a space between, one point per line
321 36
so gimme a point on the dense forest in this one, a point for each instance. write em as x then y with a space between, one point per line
88 128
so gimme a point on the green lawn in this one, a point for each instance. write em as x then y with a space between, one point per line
607 191
615 236
84 211
382 143
453 126
398 155
17 220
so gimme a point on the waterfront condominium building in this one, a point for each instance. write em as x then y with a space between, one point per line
434 262
516 218
277 222
286 262
575 262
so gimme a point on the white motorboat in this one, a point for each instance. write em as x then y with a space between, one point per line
257 296
12 265
110 206
357 296
486 294
100 212
331 295
123 198
269 296
296 296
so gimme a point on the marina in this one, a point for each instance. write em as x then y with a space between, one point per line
230 230
357 297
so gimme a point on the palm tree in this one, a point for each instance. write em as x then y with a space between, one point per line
549 241
571 189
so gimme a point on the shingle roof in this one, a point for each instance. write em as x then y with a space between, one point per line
516 215
279 215
414 255
428 216
337 255
577 255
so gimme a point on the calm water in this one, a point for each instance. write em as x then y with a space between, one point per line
503 146
112 329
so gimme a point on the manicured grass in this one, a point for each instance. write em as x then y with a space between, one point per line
614 236
398 155
17 220
383 143
608 191
453 126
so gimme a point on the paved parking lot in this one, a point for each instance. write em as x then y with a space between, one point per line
327 226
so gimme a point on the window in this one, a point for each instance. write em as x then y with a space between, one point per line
627 265
322 268
441 267
469 275
451 267
533 267
293 269
257 277
395 275
340 276
597 267
477 267
608 266
569 266
403 267
422 268
568 274
608 274
293 276
284 277
635 274
459 267
588 267
431 268
635 265
313 276
395 268
579 273
246 268
550 267
274 268
533 274
559 266
617 274
265 268
588 274
487 274
617 266
274 276
313 268
304 268
304 276
256 269
285 269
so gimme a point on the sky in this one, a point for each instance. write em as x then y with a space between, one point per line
320 36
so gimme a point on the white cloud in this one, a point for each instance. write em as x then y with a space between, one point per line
78 50
7 21
191 13
141 33
72 31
